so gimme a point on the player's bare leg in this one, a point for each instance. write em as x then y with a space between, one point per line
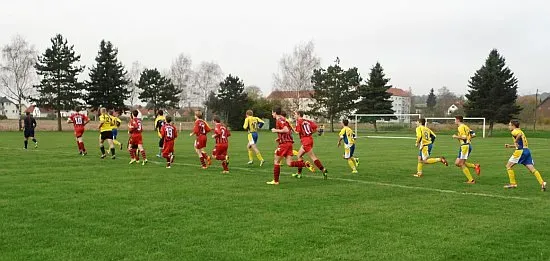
102 148
81 147
202 157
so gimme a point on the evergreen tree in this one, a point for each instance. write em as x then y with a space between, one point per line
493 92
431 101
59 88
335 91
108 82
374 96
231 102
157 91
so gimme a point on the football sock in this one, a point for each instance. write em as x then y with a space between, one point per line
351 163
470 165
298 164
467 173
116 142
319 164
224 165
82 147
300 168
512 176
131 151
259 156
203 163
419 167
538 176
79 146
276 172
432 161
143 154
102 148
34 140
26 143
250 155
113 151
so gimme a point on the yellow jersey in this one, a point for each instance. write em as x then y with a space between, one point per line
116 122
252 124
520 143
159 122
347 135
107 122
424 136
464 131
290 124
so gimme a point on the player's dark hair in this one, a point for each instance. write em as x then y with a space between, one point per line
460 118
160 112
168 119
216 119
135 113
515 123
111 112
345 122
300 113
27 113
422 121
277 110
283 113
77 109
198 114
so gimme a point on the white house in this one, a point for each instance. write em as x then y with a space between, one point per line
301 99
9 109
401 103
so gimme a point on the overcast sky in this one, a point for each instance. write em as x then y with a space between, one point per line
421 44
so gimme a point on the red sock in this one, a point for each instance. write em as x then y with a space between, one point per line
202 161
131 153
298 164
82 147
300 168
143 155
79 147
136 155
319 164
276 172
224 165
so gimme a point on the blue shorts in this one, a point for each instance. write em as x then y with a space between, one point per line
115 132
522 156
252 138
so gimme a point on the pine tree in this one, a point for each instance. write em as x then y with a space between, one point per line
232 101
157 91
107 86
335 91
493 92
374 96
59 88
431 101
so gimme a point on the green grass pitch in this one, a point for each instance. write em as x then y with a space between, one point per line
57 205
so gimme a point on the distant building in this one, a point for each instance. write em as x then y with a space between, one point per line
543 109
401 103
9 109
300 99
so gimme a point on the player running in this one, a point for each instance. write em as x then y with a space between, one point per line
284 150
425 138
79 122
305 129
200 130
116 124
464 137
135 142
252 124
29 124
221 135
522 155
348 136
159 121
105 133
169 134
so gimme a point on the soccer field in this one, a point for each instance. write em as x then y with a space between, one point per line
58 205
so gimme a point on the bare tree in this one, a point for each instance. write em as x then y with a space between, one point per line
296 70
254 92
133 78
17 73
206 79
182 76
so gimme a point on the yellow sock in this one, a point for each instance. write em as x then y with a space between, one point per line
351 164
259 156
538 176
116 142
466 171
512 176
250 155
432 161
470 165
419 167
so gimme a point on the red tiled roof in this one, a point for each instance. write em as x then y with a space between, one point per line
278 95
399 92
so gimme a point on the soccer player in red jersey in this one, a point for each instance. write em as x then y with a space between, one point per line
221 134
79 120
135 141
169 134
200 130
306 128
284 150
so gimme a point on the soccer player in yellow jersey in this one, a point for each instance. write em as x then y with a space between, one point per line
522 155
348 137
105 127
464 137
159 122
424 142
116 124
252 124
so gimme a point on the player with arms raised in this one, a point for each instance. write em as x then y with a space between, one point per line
522 155
169 134
221 135
464 137
135 142
200 130
306 128
106 132
424 142
159 121
116 124
252 124
79 122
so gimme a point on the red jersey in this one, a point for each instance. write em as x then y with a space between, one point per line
168 132
284 137
222 133
201 128
305 128
135 126
78 120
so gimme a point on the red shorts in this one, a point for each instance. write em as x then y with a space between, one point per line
136 139
167 148
200 142
284 150
78 132
220 150
307 144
